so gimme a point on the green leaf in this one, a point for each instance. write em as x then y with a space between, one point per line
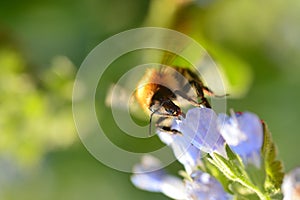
226 166
232 156
210 168
257 175
273 167
235 171
243 193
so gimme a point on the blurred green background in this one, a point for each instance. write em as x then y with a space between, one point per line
43 43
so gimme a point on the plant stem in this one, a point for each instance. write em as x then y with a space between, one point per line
252 187
237 173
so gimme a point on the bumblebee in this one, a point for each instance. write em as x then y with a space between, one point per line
162 91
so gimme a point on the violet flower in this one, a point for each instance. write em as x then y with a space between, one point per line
200 186
205 131
243 132
147 177
186 153
200 127
204 186
208 132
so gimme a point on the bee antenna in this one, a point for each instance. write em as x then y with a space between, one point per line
220 96
150 122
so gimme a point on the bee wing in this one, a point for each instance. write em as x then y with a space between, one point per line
212 75
176 57
188 53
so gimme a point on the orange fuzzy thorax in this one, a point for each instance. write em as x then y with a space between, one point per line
150 82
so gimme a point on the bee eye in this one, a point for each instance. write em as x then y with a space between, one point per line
176 112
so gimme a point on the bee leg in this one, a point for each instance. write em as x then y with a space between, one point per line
211 93
183 95
204 102
208 91
199 87
199 90
165 128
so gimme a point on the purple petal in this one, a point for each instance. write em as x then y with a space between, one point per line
173 187
200 127
147 178
205 187
243 132
186 153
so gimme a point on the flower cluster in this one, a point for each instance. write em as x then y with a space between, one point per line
199 185
207 131
225 157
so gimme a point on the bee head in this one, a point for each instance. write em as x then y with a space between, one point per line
171 108
166 108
